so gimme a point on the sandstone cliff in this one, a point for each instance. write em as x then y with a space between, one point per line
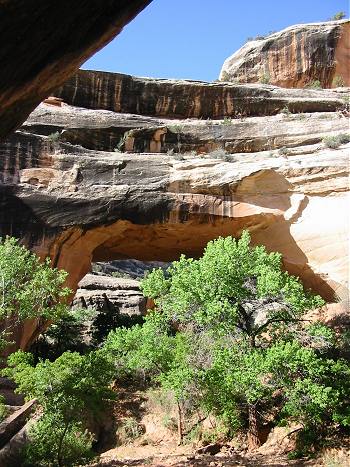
176 184
295 57
43 43
185 98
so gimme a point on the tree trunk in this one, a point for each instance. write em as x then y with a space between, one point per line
180 428
253 428
60 445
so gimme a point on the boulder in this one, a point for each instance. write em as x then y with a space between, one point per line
110 294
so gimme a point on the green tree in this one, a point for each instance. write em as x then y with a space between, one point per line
338 16
69 390
28 288
230 333
54 443
67 333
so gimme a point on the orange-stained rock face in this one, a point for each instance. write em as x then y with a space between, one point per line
75 199
295 57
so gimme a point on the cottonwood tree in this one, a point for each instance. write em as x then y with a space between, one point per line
28 288
69 390
231 336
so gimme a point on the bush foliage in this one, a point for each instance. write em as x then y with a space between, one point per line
228 336
28 288
69 390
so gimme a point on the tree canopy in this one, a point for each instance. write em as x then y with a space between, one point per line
229 334
28 288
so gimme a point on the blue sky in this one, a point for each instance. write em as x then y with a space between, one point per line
192 38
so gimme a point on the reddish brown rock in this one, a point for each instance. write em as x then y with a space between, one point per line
68 195
297 56
43 43
187 99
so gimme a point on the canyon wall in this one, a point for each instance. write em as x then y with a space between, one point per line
43 43
185 98
295 57
90 184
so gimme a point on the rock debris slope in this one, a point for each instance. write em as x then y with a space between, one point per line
294 57
84 182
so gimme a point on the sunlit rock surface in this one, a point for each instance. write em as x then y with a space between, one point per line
115 295
297 56
176 184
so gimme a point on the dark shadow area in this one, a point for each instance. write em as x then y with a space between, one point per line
17 219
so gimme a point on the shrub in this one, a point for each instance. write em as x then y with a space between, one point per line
178 157
53 443
120 275
260 37
227 121
176 128
338 82
53 137
315 84
333 142
228 337
121 143
345 108
169 422
69 390
129 430
190 154
286 112
225 76
218 154
265 78
241 339
283 151
338 16
64 334
3 410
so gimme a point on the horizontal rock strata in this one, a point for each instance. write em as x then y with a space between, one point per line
110 294
187 99
173 185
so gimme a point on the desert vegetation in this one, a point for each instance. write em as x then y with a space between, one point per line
229 338
333 142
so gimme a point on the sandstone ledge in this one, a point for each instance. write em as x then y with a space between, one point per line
187 99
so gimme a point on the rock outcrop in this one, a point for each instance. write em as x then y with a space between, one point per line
176 184
43 43
128 268
115 295
295 57
185 98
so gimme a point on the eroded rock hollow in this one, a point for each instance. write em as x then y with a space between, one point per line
84 179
